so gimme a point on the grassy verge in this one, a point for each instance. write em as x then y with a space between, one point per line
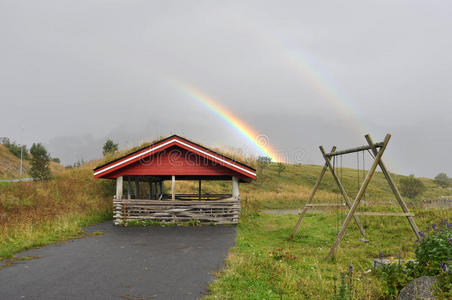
265 265
26 236
34 214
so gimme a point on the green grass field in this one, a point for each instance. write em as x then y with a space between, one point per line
266 265
291 188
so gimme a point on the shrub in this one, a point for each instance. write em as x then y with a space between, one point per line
442 180
262 163
281 167
411 186
435 249
39 162
109 147
56 160
433 258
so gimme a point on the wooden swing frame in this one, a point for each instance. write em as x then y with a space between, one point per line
378 150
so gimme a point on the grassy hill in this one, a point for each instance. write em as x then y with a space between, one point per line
291 188
10 165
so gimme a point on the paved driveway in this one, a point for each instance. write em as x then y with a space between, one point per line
123 263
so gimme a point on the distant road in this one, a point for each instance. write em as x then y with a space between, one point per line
16 180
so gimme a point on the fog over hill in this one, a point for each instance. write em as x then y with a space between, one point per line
303 74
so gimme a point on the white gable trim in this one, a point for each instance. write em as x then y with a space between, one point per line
169 142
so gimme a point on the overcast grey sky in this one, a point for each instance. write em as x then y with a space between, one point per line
303 73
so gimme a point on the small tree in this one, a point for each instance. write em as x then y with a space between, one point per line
56 160
110 147
39 162
262 163
442 180
411 186
281 167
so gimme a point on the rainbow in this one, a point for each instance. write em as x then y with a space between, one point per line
318 79
260 142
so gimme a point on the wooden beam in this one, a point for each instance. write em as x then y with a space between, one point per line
119 183
325 204
137 187
353 150
150 190
394 188
173 186
235 187
342 189
161 187
360 194
129 196
311 196
381 213
199 189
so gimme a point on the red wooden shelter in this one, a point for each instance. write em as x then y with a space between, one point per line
174 158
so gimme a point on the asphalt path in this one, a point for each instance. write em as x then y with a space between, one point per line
122 263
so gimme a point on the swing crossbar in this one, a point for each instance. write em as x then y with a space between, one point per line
381 213
353 150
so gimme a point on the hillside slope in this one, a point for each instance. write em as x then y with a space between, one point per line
10 164
291 188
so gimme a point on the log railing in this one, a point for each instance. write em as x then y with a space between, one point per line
223 211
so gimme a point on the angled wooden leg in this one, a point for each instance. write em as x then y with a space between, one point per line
394 188
311 196
359 196
342 189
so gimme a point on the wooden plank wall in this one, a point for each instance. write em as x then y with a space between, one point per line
224 211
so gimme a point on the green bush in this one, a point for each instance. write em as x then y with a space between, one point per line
433 258
109 147
39 162
442 180
411 186
435 249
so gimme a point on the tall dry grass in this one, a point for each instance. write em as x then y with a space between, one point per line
38 213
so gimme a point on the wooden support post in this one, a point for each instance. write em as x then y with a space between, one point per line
137 187
235 187
394 188
119 182
360 194
161 187
199 190
311 196
129 196
342 189
173 186
150 190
